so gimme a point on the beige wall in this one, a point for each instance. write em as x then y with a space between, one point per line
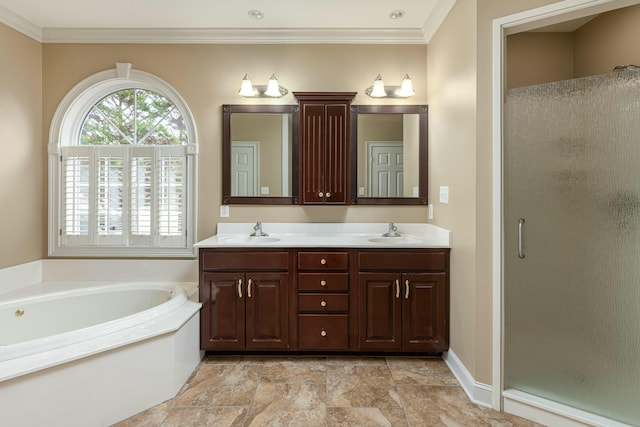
23 206
452 146
208 76
535 58
608 40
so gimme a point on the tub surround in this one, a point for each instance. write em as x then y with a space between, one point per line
81 384
328 235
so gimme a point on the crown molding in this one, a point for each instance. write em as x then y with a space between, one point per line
437 16
20 24
233 36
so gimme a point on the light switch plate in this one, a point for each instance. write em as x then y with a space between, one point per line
224 211
430 211
444 194
264 190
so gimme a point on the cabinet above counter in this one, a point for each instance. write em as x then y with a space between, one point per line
342 235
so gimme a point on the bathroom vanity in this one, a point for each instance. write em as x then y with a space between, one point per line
325 288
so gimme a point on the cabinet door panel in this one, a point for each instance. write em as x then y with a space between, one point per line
424 312
223 311
380 305
336 151
312 153
267 311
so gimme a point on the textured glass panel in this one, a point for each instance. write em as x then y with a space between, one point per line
572 305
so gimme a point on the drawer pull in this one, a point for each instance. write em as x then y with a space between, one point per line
323 333
328 195
249 289
397 288
323 303
323 261
321 194
239 288
323 283
406 290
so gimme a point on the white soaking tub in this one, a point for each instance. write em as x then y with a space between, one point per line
93 354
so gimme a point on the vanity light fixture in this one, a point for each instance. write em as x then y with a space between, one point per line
271 90
378 90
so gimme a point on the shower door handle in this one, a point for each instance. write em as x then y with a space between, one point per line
521 238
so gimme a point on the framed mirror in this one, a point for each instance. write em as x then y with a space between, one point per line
259 154
389 153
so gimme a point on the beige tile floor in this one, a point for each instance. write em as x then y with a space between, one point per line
321 391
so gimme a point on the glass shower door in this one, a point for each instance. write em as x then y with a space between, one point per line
572 243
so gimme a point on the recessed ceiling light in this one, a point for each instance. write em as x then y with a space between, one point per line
396 14
255 14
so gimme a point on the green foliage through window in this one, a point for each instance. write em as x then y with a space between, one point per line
134 117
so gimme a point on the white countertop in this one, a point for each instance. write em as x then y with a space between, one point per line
326 235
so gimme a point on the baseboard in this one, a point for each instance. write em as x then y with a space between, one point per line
478 393
552 414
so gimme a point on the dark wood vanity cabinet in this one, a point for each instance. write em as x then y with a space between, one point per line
366 300
324 147
403 300
244 299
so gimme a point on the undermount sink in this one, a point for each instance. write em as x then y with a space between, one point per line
395 240
250 239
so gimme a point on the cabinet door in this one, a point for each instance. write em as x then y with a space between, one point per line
424 312
267 310
380 307
223 311
336 151
312 153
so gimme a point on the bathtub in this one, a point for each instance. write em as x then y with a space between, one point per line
81 354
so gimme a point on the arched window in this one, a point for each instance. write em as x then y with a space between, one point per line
122 169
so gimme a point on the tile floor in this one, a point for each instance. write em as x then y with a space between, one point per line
321 391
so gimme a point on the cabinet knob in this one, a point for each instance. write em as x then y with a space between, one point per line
323 333
323 304
323 261
328 195
323 283
321 194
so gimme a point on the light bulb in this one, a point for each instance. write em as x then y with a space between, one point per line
378 88
273 88
246 87
406 88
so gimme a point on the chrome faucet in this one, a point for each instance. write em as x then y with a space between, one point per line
258 230
393 231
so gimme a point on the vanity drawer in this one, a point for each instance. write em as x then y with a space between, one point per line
407 261
319 282
319 303
257 260
323 331
323 260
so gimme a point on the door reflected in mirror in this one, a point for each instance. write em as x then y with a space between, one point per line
388 155
259 146
261 150
389 163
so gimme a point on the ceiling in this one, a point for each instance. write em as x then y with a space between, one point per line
295 21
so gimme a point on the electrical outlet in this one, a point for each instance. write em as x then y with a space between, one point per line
430 211
224 211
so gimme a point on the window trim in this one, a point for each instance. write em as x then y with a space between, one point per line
66 125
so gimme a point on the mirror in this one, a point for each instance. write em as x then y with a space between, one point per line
389 154
259 145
